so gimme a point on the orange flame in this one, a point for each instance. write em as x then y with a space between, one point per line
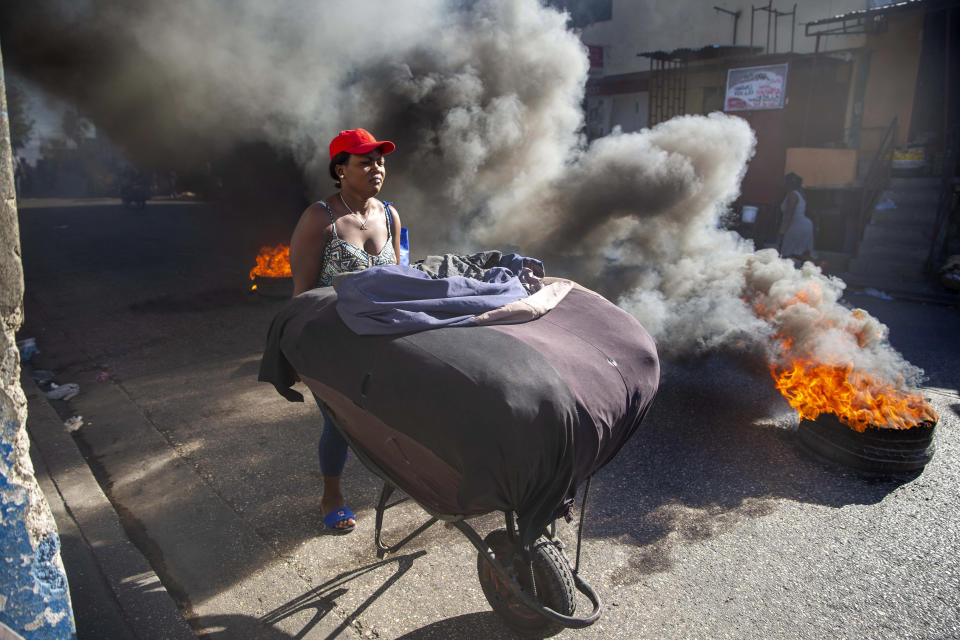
272 262
857 399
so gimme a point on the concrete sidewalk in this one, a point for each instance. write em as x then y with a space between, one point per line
114 590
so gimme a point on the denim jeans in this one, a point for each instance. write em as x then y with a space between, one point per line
332 448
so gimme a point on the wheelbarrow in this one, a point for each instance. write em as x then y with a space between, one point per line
531 586
469 421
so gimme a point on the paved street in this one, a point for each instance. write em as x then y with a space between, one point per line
711 523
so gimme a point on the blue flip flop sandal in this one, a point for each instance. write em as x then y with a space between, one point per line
338 515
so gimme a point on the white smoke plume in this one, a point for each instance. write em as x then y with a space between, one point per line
484 100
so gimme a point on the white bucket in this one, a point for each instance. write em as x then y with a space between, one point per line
748 215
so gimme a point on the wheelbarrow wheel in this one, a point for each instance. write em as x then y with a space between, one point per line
554 580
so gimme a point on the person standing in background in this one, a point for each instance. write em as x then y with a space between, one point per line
795 236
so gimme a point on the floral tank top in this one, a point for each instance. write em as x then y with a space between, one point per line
339 256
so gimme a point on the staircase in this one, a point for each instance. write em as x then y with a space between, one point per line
896 241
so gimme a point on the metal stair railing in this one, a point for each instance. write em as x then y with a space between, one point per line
878 176
946 204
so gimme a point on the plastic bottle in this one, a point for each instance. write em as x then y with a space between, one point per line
404 257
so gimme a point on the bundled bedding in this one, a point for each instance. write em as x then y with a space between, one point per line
505 399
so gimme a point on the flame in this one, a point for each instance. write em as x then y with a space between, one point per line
272 262
814 386
856 398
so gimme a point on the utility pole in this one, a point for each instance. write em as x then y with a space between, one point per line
736 19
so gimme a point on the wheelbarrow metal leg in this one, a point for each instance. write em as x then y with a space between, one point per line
583 513
382 506
511 522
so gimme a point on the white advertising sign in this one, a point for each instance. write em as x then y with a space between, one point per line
752 88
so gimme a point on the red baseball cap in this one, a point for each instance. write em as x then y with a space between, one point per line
359 141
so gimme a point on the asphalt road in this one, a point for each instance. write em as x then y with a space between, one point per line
711 523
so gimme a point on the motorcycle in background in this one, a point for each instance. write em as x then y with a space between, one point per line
134 191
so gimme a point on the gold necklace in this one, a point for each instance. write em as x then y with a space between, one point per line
363 221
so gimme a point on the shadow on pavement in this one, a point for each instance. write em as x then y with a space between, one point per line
322 599
707 456
484 624
234 627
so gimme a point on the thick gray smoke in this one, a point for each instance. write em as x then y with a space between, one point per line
484 101
479 95
635 215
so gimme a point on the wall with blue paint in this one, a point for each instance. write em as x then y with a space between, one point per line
34 599
34 602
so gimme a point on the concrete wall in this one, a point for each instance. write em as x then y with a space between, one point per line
598 109
891 85
629 110
653 25
822 167
34 599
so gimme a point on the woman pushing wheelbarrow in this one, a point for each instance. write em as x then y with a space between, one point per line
498 390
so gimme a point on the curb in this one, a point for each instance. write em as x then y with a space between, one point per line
141 604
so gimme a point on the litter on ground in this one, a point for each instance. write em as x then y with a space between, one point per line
876 293
63 391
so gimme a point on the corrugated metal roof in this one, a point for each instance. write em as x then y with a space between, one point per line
702 53
896 6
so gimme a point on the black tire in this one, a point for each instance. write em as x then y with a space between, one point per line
554 579
873 451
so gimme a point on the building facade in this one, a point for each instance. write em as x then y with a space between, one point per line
831 87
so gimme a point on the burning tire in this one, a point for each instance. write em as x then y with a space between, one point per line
271 276
880 451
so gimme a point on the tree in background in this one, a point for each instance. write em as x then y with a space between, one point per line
75 127
21 125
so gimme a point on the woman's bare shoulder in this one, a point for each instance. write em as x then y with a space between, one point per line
391 209
320 206
313 222
394 215
316 213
